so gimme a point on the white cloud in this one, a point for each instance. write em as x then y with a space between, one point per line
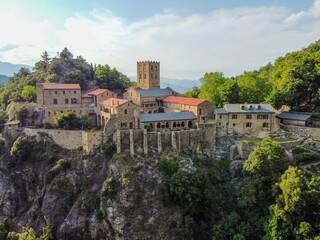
228 40
313 12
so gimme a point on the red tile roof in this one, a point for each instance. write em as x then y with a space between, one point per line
97 91
101 90
183 100
86 96
60 86
113 102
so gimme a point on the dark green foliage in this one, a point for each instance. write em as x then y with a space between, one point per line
3 118
168 167
108 148
67 120
21 114
4 229
202 194
48 125
111 78
306 157
20 149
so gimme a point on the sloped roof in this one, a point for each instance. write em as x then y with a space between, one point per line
249 108
221 111
170 116
85 96
113 102
162 92
99 91
294 116
60 86
183 100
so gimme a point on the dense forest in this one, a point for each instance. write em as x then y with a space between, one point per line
293 81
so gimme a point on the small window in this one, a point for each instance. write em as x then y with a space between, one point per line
265 125
64 92
151 75
75 92
66 101
233 124
234 116
55 101
220 116
49 113
144 75
248 116
56 92
156 75
140 75
73 100
248 124
151 67
125 111
250 107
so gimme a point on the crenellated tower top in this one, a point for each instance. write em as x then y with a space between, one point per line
148 74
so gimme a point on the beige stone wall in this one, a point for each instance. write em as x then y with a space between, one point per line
133 96
65 139
92 140
203 110
70 139
244 125
299 131
148 74
63 97
51 111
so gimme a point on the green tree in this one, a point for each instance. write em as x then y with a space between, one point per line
252 88
29 93
3 118
67 120
193 92
66 54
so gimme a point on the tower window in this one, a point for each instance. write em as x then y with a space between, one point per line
156 75
144 75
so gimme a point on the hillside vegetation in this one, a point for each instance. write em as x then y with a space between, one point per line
64 68
293 80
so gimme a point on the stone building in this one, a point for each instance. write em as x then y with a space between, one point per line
168 121
200 107
295 119
115 113
56 98
148 100
148 75
247 119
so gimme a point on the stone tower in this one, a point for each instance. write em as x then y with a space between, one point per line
148 74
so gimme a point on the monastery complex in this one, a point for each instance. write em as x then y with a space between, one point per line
147 106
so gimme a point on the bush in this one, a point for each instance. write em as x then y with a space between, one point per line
108 148
110 187
60 166
48 125
20 149
168 167
306 157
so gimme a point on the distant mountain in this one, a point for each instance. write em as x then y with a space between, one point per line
8 69
4 79
179 85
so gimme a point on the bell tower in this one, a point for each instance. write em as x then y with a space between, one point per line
148 75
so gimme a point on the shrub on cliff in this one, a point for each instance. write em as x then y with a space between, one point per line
20 149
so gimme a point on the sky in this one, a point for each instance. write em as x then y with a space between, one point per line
188 37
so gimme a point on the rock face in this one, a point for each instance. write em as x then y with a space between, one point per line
88 196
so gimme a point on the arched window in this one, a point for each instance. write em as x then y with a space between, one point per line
55 101
125 111
158 125
49 113
66 101
167 125
174 124
182 124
